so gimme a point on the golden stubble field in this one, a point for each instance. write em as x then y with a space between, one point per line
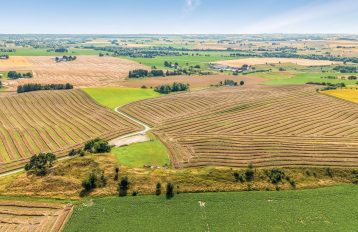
84 72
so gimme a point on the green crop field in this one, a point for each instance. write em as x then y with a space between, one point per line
184 61
44 52
136 155
113 97
284 78
324 209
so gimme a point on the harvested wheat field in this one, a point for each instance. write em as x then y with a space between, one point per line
256 61
263 125
55 121
31 216
193 81
85 71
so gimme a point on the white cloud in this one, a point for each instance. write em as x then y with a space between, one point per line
191 5
299 16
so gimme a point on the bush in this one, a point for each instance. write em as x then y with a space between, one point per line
123 186
170 191
40 163
90 182
116 175
238 177
276 175
329 172
158 189
249 173
242 83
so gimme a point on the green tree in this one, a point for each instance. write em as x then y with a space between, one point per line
170 191
158 189
123 186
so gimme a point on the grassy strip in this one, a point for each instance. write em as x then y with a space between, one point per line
324 209
152 152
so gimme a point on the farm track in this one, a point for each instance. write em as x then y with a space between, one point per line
55 121
266 126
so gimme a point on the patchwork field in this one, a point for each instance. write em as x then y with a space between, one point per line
53 121
31 216
85 71
256 61
263 125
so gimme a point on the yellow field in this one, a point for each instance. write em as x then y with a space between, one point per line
256 61
15 61
347 94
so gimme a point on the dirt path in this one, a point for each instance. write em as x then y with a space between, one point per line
127 139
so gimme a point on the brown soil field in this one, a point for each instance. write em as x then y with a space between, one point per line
256 61
31 216
194 81
263 125
85 71
55 121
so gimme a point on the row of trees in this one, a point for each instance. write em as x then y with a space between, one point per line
175 87
15 75
7 50
36 87
140 73
65 58
4 56
346 69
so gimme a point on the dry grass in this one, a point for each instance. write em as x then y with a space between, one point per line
257 61
64 179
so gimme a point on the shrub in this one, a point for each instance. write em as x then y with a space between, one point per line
242 83
89 183
249 173
276 175
116 175
238 177
329 172
170 191
123 186
158 189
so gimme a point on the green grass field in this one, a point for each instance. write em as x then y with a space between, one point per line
136 155
325 209
112 97
284 78
44 52
183 61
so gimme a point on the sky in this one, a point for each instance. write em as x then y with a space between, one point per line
178 16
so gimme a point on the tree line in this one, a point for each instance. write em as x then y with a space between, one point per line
65 58
175 87
36 87
15 75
